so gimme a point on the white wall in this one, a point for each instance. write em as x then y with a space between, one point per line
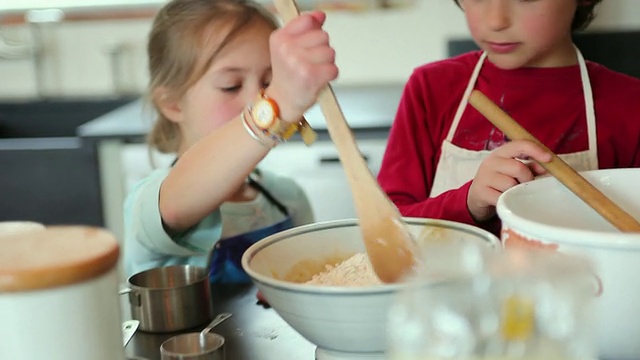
617 14
372 47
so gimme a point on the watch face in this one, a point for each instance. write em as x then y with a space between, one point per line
264 114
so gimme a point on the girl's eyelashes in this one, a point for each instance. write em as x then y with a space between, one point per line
235 85
266 78
231 89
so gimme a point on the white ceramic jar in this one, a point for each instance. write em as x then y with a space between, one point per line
59 295
14 227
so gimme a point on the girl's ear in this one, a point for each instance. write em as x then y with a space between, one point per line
167 104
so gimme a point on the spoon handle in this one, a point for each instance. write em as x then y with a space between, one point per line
339 130
217 320
388 242
557 167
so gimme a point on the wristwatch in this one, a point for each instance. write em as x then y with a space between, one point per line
265 112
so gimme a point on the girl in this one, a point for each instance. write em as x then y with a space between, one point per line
444 160
227 87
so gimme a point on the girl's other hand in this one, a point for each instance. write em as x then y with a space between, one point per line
501 171
303 63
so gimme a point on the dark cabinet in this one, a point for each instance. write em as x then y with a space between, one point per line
617 50
47 174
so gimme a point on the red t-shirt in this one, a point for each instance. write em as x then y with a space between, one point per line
549 102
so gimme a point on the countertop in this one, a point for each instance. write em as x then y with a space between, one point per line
370 110
253 332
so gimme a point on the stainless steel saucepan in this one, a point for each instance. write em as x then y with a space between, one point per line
172 298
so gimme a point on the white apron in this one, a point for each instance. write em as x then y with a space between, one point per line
457 165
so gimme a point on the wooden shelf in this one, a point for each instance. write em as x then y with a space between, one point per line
75 10
87 15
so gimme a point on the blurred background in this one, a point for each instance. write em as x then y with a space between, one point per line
72 122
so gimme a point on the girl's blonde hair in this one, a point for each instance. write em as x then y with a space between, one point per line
179 56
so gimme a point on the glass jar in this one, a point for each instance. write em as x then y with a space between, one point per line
468 302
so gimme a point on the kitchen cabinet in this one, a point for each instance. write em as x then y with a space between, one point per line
48 174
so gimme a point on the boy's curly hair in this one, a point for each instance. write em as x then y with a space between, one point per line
585 13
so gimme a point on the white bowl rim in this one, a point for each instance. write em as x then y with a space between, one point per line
342 290
568 236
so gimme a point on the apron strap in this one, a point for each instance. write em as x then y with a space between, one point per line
589 110
465 97
255 184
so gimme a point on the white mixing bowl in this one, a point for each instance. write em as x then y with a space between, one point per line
543 213
344 322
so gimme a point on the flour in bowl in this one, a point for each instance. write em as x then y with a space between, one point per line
355 271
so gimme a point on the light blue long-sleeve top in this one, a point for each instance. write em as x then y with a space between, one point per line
147 244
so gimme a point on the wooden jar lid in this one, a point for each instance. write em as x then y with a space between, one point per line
56 256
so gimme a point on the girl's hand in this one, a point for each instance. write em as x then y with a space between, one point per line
501 171
303 63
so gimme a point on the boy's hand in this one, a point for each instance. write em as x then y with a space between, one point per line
303 63
501 171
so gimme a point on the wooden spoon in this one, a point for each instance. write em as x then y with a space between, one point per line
388 242
557 167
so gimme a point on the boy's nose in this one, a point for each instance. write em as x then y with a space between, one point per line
498 14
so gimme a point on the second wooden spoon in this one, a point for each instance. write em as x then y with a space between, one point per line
557 167
389 244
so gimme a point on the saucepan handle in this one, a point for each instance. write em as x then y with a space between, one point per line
134 296
124 291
